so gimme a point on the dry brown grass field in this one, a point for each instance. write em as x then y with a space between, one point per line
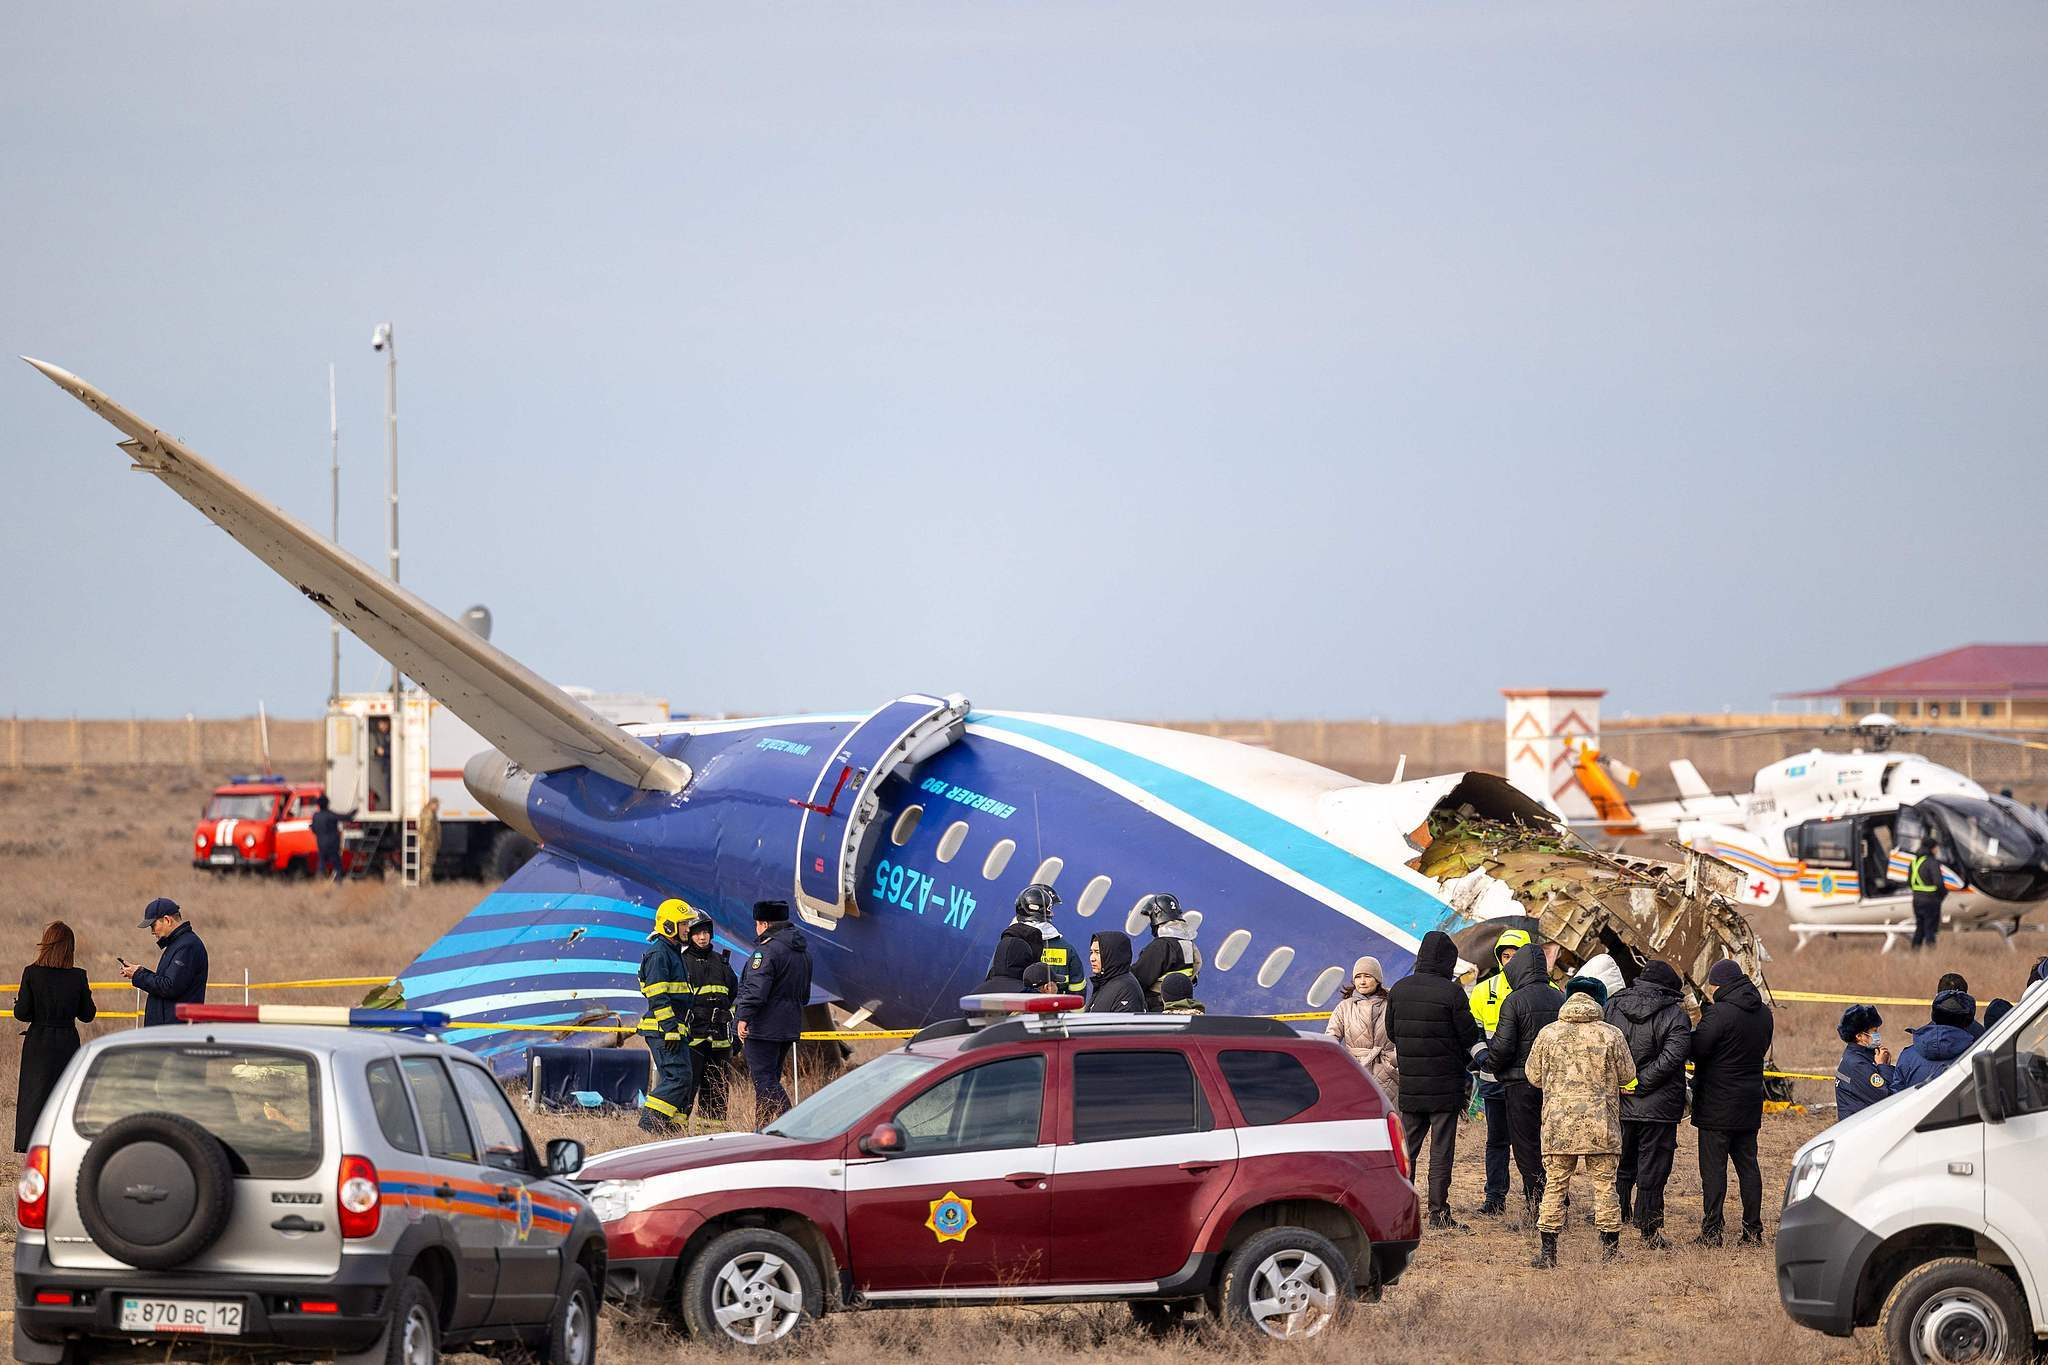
93 849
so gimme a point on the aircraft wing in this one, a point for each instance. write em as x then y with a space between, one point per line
532 722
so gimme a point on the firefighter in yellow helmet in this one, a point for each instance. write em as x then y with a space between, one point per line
665 982
1487 998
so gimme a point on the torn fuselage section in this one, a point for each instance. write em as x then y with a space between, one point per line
1585 901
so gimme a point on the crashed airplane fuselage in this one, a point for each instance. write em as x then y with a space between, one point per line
901 835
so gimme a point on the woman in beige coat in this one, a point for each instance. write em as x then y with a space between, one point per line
1360 1023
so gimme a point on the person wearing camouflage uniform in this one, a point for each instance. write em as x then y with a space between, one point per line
1580 1063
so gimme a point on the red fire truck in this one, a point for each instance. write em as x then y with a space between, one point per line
258 822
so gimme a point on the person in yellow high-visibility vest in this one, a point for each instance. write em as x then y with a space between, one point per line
665 982
1929 890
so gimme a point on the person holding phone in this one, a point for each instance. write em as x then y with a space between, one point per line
53 1001
180 974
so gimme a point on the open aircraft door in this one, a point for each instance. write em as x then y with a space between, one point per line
843 802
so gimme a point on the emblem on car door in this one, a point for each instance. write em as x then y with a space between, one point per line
952 1218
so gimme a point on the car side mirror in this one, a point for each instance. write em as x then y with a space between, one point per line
886 1140
565 1156
1990 1094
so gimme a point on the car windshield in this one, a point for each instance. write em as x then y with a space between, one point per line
263 1105
245 806
833 1110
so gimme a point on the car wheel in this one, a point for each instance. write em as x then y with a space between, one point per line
750 1287
1955 1311
572 1333
155 1190
1287 1283
412 1330
1163 1317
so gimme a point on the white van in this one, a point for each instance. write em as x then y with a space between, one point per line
1926 1215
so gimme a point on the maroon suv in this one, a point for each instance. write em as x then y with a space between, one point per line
1172 1161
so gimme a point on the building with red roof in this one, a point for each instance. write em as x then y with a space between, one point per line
1976 684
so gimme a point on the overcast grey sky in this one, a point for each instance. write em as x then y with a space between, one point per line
1137 360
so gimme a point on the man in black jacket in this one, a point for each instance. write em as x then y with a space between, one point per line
1651 1016
770 1005
1022 941
1435 1037
1172 949
180 975
1112 987
1728 1050
326 826
1532 1003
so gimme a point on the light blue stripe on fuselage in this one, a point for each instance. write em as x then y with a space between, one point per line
483 940
503 974
1356 879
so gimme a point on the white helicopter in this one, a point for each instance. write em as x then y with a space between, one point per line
1833 834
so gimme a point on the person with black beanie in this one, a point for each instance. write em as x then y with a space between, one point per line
1728 1051
1650 1013
1435 1039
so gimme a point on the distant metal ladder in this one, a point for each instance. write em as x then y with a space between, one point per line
409 854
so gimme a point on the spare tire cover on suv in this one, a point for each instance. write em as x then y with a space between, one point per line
155 1190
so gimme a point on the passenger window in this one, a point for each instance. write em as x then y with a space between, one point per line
2030 1067
1135 1095
979 1109
440 1114
394 1115
495 1123
1270 1087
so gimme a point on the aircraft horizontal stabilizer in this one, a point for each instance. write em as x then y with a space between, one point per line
534 723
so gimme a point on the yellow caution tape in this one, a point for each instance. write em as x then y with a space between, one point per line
1814 998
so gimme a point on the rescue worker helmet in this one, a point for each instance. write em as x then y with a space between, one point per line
1035 903
699 920
669 918
1161 907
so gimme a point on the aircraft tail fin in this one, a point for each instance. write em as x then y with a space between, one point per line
1691 786
535 724
558 944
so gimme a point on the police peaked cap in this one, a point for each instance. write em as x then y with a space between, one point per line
1858 1019
771 912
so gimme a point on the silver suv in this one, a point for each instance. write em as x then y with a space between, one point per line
369 1196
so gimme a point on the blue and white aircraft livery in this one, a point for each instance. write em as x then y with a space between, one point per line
901 836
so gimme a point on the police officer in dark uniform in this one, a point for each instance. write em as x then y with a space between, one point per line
707 1019
1172 948
664 981
1865 1074
770 1005
1929 890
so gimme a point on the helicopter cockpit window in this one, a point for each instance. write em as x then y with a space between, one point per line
1989 834
1828 843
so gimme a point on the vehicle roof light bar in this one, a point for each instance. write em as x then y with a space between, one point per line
1002 1004
331 1016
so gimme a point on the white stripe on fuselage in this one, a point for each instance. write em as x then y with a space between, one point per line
1180 819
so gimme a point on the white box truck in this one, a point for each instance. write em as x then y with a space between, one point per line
1926 1215
387 808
